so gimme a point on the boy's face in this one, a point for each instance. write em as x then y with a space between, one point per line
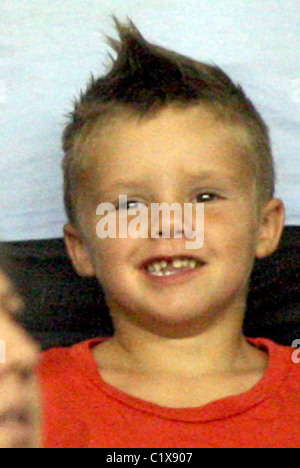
19 396
183 156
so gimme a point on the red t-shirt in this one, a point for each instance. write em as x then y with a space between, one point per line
82 411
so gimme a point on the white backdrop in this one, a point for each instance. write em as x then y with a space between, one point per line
48 48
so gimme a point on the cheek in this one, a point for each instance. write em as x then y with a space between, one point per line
110 257
110 252
231 229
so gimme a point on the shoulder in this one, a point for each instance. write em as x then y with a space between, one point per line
62 362
54 361
64 382
284 365
292 359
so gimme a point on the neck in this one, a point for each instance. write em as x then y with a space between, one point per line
206 347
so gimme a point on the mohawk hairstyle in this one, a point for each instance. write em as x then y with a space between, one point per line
145 78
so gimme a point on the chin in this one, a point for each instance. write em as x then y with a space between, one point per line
172 321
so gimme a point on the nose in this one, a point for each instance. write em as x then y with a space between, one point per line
167 222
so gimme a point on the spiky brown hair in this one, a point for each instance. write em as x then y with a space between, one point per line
144 79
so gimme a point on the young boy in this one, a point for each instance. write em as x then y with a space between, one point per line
19 396
178 371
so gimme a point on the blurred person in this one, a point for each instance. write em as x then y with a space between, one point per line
19 402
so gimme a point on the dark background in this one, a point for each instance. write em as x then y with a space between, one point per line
63 309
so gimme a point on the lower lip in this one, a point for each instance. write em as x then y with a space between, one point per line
177 278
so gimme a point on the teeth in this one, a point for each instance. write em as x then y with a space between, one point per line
157 267
181 263
159 273
192 263
177 263
160 268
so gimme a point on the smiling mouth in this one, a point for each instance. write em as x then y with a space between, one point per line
166 267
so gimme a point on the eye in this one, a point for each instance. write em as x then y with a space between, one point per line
129 205
206 197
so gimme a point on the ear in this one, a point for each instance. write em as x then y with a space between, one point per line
272 217
78 251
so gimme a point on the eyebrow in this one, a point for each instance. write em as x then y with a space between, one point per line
207 176
128 184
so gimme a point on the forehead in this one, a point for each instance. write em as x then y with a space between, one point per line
174 142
